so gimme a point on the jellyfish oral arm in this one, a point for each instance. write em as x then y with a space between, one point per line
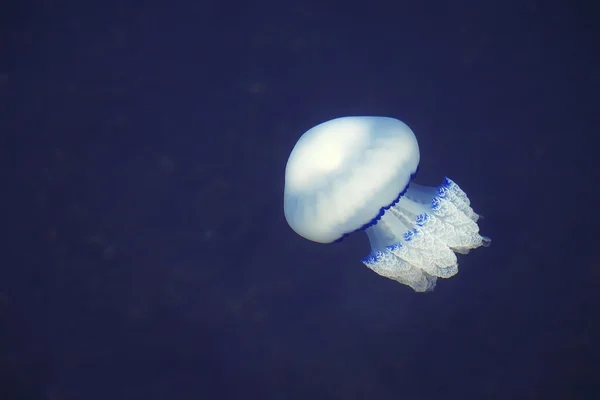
416 239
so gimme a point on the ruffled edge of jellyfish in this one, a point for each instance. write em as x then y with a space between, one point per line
448 207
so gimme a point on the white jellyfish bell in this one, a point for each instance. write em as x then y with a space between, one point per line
355 173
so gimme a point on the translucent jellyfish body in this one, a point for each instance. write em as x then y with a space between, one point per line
355 173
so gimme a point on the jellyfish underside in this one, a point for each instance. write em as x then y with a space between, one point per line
415 240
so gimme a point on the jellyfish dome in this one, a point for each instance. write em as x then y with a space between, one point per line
355 174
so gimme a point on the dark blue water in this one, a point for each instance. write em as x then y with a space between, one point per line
145 252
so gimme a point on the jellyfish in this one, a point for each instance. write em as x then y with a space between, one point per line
354 174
